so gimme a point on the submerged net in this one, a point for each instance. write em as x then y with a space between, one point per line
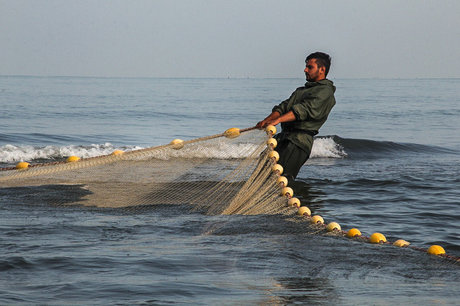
219 174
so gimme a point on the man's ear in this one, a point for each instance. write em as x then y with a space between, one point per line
322 70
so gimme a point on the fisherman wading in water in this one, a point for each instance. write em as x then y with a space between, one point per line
302 115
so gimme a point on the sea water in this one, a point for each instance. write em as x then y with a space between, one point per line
387 160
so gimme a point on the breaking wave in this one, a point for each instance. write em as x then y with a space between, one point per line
323 147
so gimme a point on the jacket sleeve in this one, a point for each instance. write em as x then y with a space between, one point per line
314 104
282 108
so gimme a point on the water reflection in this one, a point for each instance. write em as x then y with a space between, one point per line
307 290
52 194
309 195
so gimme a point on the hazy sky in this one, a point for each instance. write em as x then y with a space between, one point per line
233 38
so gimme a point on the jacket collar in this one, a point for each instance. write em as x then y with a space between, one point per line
321 82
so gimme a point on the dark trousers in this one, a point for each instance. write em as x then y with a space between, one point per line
291 159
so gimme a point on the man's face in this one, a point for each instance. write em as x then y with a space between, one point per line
312 72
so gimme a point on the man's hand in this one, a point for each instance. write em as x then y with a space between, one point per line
264 123
269 120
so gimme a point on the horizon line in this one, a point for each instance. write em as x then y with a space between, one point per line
216 77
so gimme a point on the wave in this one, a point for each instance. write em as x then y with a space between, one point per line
323 147
327 147
11 153
364 148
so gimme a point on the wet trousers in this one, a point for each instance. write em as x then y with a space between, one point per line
291 159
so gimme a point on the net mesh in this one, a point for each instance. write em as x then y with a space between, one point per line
214 174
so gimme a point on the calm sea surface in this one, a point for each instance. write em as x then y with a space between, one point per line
387 160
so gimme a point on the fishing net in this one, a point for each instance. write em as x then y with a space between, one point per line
228 173
235 172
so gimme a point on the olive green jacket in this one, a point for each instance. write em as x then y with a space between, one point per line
311 106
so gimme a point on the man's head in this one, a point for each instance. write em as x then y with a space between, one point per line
317 66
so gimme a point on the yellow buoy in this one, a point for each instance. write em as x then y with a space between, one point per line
272 143
275 155
317 219
333 226
277 168
377 238
354 232
271 130
22 165
294 202
304 210
282 181
436 250
232 133
287 192
72 159
401 243
118 152
177 144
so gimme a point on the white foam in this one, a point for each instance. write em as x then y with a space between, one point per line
11 153
322 148
222 150
218 150
326 148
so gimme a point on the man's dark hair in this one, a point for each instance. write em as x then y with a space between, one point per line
322 60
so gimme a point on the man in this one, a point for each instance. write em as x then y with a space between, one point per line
302 115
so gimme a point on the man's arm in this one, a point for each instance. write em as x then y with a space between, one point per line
274 118
316 105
